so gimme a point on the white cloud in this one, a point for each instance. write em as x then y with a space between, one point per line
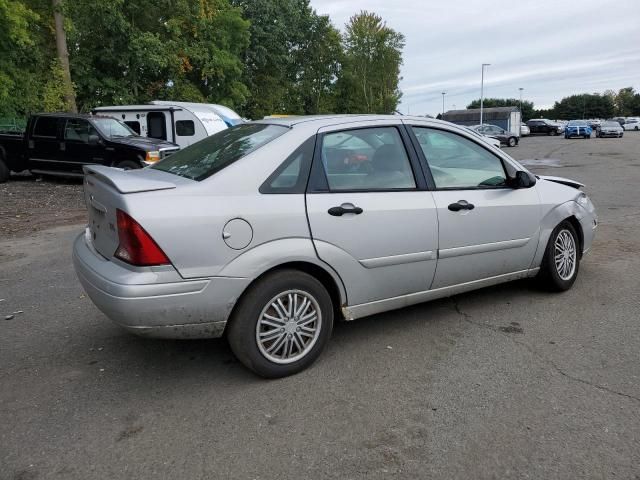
550 48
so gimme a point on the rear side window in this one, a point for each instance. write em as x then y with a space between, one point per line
46 127
185 128
133 125
203 159
292 175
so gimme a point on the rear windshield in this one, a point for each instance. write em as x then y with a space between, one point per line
203 159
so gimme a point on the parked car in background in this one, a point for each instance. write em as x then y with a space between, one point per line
61 144
609 129
578 128
506 138
542 126
632 123
524 130
620 120
250 232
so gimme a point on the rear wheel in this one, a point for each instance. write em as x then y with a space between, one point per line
512 141
282 324
4 171
561 262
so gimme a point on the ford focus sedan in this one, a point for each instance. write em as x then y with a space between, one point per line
270 231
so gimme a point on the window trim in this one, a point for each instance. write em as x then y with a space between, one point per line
193 124
73 140
427 167
35 124
318 182
303 177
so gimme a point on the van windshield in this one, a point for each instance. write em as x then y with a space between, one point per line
208 156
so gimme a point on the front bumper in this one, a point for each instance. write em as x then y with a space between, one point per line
156 302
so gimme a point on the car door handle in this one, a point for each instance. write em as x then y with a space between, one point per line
461 205
341 210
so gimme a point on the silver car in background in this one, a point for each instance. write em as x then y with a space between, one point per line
269 231
609 129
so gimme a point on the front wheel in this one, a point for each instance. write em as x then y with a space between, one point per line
281 324
561 261
512 141
552 133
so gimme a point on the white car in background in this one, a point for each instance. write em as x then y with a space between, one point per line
490 140
632 123
524 130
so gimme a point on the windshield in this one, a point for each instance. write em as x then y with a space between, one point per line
204 158
112 128
577 123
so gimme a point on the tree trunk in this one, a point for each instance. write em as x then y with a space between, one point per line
63 55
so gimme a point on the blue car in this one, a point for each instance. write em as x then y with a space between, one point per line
578 128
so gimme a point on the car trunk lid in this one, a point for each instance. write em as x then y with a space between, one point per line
106 190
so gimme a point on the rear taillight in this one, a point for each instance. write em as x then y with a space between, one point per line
136 245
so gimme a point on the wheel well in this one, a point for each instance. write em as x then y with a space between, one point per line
578 228
315 271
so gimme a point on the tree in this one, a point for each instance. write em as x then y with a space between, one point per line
63 57
371 69
627 102
584 106
527 106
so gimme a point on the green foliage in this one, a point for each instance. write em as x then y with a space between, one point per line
527 106
54 90
371 68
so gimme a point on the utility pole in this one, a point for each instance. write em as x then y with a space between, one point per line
482 91
63 55
443 94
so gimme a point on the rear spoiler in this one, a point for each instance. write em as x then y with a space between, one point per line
125 181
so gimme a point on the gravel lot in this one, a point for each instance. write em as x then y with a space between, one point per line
506 382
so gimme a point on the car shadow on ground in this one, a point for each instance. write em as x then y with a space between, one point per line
213 360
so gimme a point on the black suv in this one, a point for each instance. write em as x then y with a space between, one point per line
545 127
60 144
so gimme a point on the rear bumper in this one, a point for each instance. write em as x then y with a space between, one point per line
156 303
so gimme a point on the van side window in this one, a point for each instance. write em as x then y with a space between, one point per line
133 125
185 128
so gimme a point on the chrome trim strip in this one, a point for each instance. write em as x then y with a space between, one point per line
365 309
398 259
482 248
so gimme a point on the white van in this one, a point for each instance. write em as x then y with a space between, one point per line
182 123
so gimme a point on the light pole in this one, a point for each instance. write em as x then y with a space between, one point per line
520 100
482 91
443 94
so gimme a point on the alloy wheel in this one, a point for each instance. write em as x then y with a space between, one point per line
565 254
289 326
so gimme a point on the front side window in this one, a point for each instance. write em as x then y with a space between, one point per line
112 128
78 130
366 159
456 162
204 158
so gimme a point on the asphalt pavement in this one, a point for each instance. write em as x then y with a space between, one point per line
505 382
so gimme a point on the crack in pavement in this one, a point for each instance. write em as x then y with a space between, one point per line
467 318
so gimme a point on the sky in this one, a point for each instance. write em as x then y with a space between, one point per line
551 49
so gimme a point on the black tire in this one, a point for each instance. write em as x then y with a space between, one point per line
243 325
4 171
512 142
549 278
128 165
636 129
552 133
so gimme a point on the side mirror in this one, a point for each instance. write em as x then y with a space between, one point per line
93 140
523 180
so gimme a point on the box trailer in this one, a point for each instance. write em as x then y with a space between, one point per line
508 118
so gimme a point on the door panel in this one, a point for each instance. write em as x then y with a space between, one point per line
76 150
44 144
370 221
485 227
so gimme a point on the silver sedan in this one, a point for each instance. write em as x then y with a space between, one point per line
270 231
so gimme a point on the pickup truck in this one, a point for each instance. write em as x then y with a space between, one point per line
60 144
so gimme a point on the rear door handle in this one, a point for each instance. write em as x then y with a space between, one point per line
461 205
344 208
